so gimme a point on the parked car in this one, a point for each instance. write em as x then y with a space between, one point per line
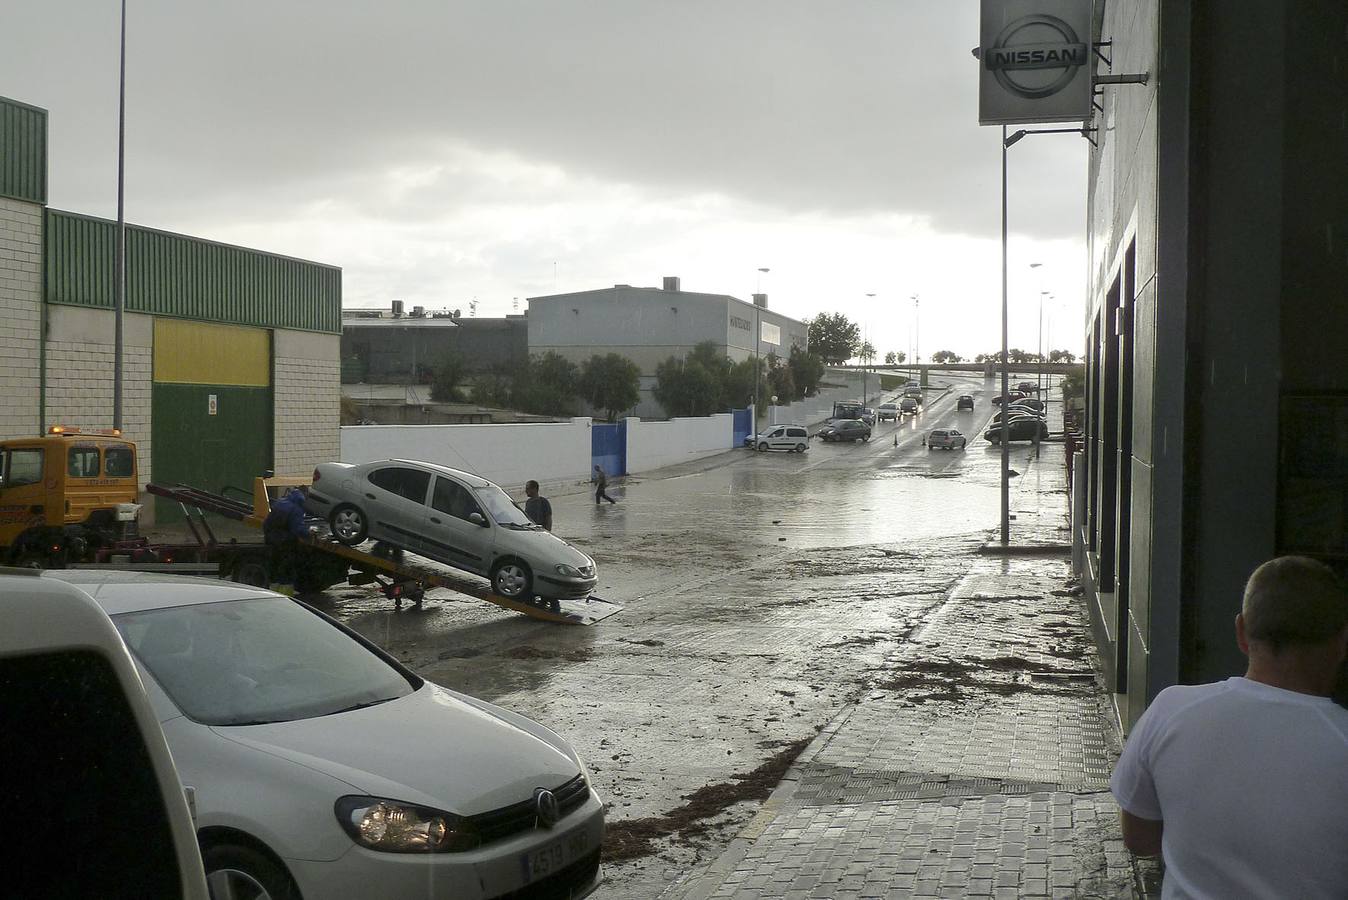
1022 429
1028 387
946 439
868 416
889 411
965 401
793 438
321 767
1029 403
453 517
1017 412
87 767
908 406
846 430
1013 395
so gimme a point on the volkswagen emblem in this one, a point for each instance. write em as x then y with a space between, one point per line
1036 56
545 802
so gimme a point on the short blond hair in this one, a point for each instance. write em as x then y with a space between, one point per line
1294 600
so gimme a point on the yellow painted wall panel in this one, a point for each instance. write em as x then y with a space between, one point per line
187 352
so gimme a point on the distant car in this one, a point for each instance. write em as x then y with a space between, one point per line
946 439
889 411
1028 387
868 416
846 430
912 389
1014 395
323 768
1022 429
908 406
965 401
1029 403
792 438
454 517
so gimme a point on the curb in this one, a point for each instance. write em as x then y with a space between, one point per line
997 549
703 884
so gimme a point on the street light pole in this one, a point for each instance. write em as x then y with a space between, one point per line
865 370
119 251
758 339
917 339
1006 379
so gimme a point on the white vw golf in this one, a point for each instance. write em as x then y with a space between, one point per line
320 767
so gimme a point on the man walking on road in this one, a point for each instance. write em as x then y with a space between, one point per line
1241 785
537 508
601 482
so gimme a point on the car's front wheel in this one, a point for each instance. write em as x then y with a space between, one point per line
512 580
763 447
235 872
800 448
348 525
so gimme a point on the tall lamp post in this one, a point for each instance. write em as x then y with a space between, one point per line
119 250
865 371
917 339
758 337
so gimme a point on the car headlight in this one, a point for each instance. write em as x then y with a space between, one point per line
394 827
568 571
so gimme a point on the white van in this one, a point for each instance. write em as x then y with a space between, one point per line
792 438
100 810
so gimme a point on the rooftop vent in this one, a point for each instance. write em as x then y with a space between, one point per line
418 312
671 283
397 309
761 300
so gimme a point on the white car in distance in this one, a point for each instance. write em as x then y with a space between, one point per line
320 767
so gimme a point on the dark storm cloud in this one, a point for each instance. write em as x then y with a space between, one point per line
842 108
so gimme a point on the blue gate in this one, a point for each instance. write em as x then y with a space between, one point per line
608 447
744 425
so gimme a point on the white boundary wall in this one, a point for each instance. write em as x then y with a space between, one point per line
506 454
653 445
820 407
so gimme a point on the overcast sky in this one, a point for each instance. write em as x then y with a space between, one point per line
440 151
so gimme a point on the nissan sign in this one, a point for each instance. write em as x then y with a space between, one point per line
1034 61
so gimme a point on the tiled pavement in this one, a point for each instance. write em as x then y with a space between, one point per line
976 766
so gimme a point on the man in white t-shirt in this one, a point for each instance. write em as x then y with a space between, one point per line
1242 785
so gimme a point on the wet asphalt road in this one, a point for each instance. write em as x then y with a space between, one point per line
762 593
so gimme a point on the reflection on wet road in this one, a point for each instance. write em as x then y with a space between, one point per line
762 590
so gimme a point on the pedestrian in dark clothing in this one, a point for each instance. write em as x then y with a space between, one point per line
600 483
281 531
537 508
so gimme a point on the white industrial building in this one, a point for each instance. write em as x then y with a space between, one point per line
648 325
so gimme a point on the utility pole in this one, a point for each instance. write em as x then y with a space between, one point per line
119 251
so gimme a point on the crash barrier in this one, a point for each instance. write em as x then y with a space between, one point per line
551 452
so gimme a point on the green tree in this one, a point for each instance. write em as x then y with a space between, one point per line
493 387
780 379
737 385
1066 356
611 382
546 386
866 353
946 356
685 387
445 384
807 370
834 338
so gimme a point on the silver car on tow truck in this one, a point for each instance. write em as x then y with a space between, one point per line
453 517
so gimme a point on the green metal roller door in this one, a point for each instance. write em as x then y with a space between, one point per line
191 446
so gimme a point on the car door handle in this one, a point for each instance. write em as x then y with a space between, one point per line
370 496
436 521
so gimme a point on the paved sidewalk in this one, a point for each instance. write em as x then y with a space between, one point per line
977 765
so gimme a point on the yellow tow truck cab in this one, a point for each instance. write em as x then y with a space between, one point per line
64 493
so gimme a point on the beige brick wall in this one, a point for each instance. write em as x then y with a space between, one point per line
79 373
306 385
20 316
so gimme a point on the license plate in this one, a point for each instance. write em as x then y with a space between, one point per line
554 857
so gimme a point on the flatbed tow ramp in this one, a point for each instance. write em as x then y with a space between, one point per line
399 575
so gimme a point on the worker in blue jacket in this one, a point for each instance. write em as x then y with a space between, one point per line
281 530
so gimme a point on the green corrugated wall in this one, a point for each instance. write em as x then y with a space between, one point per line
173 275
23 151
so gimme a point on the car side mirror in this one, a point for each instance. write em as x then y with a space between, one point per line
477 519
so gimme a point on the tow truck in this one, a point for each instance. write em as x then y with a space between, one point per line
68 500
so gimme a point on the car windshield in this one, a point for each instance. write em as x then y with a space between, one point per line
502 509
250 662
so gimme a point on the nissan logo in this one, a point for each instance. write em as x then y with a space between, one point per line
545 802
1036 56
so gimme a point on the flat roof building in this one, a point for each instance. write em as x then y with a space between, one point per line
648 325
